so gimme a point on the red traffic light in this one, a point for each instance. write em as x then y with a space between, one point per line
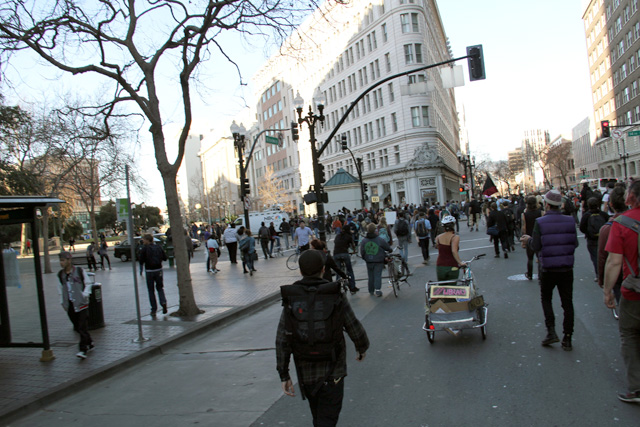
462 189
606 130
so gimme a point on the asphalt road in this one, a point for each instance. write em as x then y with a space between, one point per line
227 377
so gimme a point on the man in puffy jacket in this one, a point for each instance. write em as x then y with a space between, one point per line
373 250
555 241
151 257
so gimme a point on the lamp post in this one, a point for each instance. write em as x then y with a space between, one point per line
239 136
468 163
624 156
311 120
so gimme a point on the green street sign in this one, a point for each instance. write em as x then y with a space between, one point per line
272 140
584 176
634 133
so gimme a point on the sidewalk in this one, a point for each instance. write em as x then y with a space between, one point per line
26 383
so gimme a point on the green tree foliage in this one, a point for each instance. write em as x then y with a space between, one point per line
72 228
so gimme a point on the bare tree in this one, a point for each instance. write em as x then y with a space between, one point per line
503 173
126 43
271 189
558 159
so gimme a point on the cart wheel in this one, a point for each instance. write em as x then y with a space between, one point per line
483 330
431 336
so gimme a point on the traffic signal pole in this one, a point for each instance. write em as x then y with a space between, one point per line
476 69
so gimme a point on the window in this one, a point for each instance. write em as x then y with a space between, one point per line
420 116
396 152
625 95
623 72
636 111
387 61
629 39
620 48
618 25
628 117
405 23
634 89
414 23
369 43
394 122
408 54
375 40
385 36
392 96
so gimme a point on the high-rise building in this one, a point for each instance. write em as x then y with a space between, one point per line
533 145
405 130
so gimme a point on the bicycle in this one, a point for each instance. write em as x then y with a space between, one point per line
398 271
342 265
292 261
278 251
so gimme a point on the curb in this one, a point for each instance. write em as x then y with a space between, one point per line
73 386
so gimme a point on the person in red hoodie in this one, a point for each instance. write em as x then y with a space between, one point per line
622 246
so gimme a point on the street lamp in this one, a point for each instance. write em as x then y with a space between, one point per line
239 136
624 156
311 120
468 163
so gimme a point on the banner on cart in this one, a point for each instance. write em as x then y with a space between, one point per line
449 292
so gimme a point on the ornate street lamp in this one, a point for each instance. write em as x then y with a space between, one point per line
239 135
311 120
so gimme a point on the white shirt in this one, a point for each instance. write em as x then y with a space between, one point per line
230 235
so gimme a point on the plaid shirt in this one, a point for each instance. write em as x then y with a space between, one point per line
313 372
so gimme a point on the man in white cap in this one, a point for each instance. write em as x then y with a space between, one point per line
555 240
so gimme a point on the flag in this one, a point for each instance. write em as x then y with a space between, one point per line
489 188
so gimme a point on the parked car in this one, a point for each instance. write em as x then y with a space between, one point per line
123 251
163 237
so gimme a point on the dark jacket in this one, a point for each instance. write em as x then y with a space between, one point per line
373 248
342 243
312 372
151 257
497 218
555 240
584 224
330 264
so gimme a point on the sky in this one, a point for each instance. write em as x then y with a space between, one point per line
537 77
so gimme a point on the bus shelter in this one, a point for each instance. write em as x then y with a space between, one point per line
16 211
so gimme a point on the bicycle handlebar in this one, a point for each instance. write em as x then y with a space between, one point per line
475 258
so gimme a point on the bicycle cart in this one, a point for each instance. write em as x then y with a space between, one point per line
454 305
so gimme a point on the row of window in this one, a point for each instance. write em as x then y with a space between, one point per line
374 160
271 91
269 112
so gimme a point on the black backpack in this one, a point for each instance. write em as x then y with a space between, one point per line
421 228
402 229
508 214
594 224
314 319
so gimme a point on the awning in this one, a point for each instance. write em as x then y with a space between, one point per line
384 196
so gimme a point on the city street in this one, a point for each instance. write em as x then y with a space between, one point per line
227 376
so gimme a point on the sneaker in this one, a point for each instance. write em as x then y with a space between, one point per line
246 271
378 293
497 256
81 355
217 271
210 271
425 262
153 314
354 290
164 309
566 342
630 397
550 339
91 347
506 255
251 273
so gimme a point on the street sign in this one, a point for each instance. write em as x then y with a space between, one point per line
123 209
467 186
617 133
584 176
375 199
634 133
272 140
247 202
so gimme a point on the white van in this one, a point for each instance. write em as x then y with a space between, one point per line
256 218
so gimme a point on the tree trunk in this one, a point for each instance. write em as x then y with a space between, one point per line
92 221
25 237
188 305
45 240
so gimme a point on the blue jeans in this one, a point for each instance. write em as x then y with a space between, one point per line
347 262
404 252
275 239
374 271
629 323
155 277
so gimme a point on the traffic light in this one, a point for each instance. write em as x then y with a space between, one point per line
475 62
294 131
461 189
344 143
321 177
606 130
366 187
464 178
244 187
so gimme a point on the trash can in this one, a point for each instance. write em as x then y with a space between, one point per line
96 314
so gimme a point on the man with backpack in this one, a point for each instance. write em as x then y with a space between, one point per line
622 246
401 229
313 318
151 257
265 237
422 233
590 224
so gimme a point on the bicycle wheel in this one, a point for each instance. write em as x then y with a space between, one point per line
292 261
393 278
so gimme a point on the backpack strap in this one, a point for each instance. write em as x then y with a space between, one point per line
634 226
